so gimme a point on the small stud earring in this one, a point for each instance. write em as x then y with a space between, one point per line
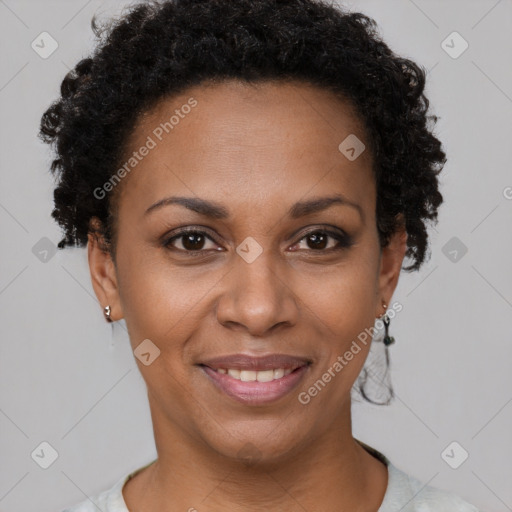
106 312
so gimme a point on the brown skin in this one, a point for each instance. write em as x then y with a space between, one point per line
256 150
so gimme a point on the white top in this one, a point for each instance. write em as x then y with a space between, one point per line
404 493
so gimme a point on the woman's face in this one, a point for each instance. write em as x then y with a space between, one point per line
273 267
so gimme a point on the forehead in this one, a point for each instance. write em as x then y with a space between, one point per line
251 142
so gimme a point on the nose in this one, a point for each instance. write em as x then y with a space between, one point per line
257 299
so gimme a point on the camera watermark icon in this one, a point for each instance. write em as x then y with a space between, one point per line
249 454
454 249
44 455
44 250
44 45
146 352
454 45
249 249
351 147
454 455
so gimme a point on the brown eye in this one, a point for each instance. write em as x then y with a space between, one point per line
191 240
318 240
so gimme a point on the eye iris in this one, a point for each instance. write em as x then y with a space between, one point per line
320 239
188 241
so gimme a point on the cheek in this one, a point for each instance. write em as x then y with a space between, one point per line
160 306
344 298
342 305
160 302
344 314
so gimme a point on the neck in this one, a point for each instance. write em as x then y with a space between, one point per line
333 473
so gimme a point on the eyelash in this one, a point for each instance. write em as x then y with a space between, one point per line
344 241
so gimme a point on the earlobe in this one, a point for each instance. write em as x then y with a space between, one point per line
103 275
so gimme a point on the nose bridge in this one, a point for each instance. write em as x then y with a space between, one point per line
258 299
256 271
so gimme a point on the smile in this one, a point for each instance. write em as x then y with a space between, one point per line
255 387
252 376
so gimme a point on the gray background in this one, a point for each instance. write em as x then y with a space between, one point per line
66 379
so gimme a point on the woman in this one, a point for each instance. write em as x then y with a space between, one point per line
248 178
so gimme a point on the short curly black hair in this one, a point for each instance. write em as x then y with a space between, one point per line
160 48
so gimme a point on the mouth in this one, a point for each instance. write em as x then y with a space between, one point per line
252 376
256 380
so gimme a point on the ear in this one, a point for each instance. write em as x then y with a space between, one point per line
103 271
391 264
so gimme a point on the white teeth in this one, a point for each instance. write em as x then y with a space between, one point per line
278 373
247 375
265 376
251 375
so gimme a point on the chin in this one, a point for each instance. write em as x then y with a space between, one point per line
257 442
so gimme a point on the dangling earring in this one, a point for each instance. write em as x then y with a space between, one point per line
106 312
375 377
388 340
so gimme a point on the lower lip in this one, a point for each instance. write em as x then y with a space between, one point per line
256 393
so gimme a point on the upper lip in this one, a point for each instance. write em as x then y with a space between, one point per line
257 363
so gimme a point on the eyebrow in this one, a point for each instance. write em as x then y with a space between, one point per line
217 211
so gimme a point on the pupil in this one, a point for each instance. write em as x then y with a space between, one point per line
316 238
189 244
